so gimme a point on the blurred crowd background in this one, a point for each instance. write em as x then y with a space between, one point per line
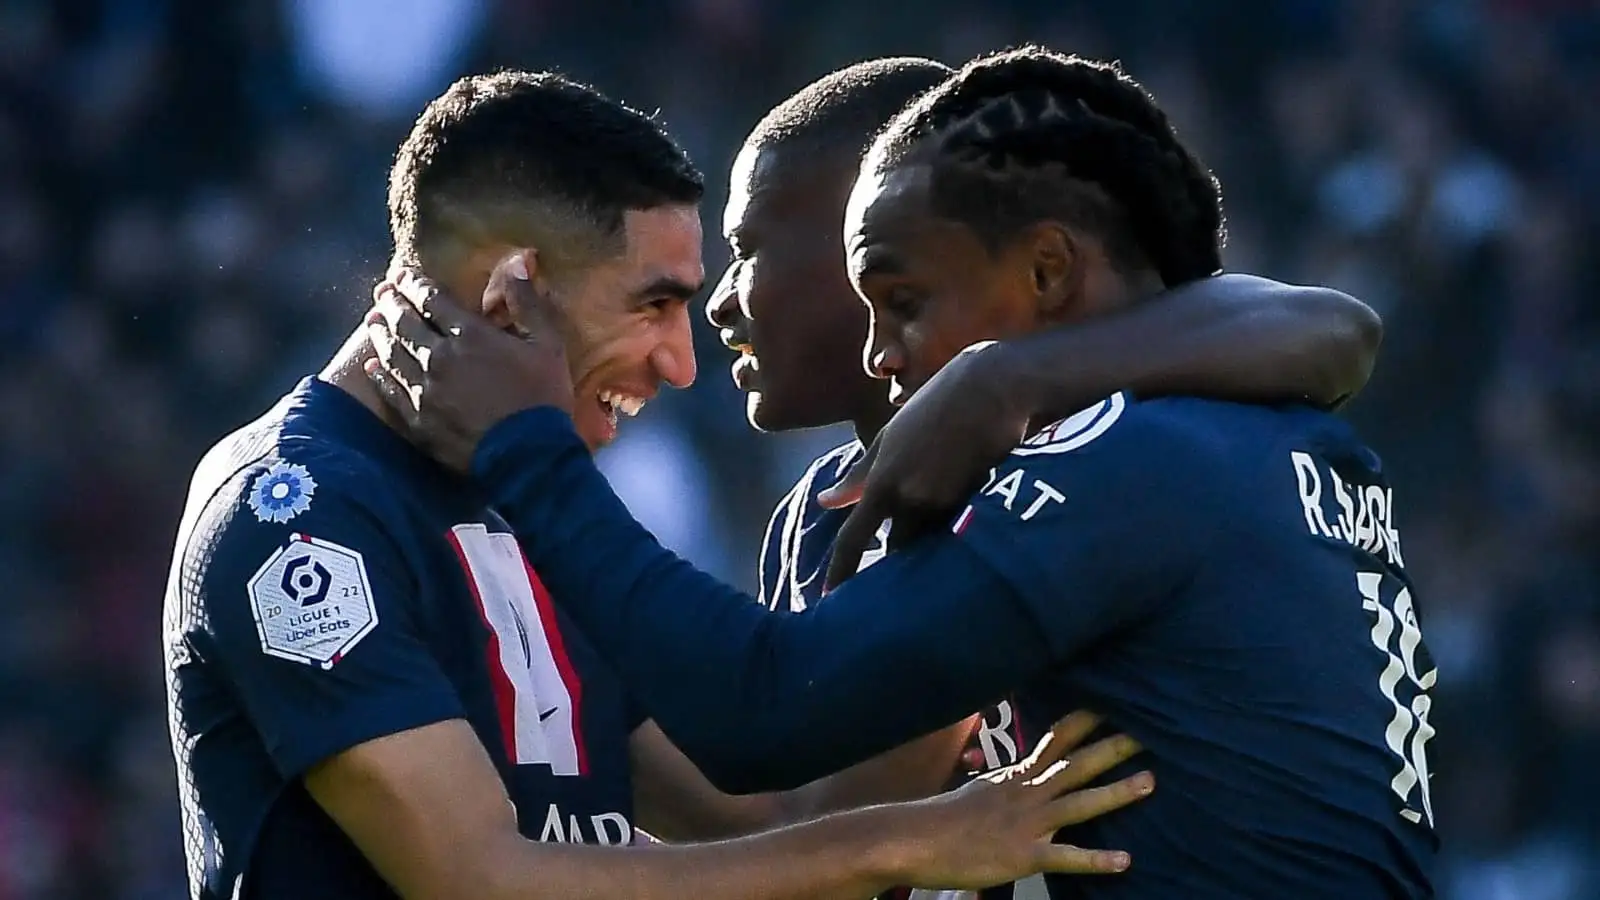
192 212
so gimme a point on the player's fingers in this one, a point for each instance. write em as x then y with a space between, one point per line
406 326
1069 860
538 316
1071 730
1064 735
1088 763
430 301
1081 806
857 532
849 489
395 394
401 365
381 336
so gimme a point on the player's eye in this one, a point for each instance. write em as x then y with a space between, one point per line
904 302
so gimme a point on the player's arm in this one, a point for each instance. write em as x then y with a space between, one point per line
359 711
916 641
920 768
1236 337
675 801
428 810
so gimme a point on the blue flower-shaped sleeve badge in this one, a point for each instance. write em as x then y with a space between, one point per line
282 492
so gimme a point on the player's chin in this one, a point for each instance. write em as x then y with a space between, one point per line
770 411
758 411
597 427
903 387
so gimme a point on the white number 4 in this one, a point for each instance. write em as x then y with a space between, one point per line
1408 732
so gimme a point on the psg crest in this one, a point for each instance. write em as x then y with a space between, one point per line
1075 430
282 492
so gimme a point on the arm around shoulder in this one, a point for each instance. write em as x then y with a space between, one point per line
1235 337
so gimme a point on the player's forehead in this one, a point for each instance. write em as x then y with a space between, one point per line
663 245
887 206
756 177
784 185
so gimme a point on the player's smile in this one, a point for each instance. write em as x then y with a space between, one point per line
630 321
610 402
746 369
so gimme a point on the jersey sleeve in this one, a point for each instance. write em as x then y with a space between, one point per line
760 700
311 619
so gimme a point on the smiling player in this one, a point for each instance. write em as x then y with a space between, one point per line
1224 581
371 692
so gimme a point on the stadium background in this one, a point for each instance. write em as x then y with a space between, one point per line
191 211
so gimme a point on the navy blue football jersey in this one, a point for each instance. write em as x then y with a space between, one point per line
794 560
332 586
795 549
1261 641
1223 582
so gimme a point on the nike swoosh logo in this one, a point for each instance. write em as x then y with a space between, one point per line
548 713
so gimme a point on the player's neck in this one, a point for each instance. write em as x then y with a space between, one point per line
1113 290
345 372
875 413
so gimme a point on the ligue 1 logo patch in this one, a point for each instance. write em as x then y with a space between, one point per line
312 601
282 492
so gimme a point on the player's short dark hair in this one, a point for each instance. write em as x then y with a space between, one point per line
535 154
1013 138
841 111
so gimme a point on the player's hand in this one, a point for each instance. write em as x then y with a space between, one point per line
930 458
1000 827
450 374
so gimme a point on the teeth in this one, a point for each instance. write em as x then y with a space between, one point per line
622 403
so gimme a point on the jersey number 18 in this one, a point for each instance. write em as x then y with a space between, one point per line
1395 632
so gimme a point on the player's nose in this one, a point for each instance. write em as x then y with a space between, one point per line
885 362
881 357
673 358
722 307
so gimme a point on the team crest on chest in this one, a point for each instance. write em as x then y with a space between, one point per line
1075 430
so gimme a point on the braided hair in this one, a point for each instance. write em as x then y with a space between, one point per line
1029 134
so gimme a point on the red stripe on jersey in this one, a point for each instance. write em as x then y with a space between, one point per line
558 649
505 698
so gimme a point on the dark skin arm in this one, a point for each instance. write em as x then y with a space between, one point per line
1238 337
428 810
1235 337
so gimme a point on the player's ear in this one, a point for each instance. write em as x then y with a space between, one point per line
1055 271
499 304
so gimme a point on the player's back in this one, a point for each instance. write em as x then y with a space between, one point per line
332 586
1277 680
